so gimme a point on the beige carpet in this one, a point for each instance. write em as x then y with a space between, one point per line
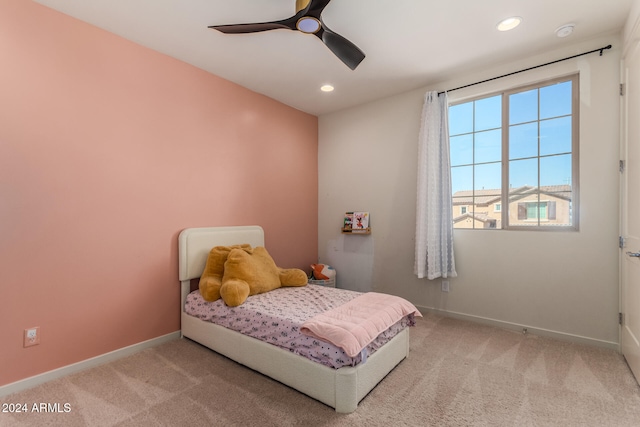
458 374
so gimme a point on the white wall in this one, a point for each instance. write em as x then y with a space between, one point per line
551 282
632 23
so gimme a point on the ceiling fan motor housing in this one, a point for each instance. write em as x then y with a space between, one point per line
301 4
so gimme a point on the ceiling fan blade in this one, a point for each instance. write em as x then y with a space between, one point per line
287 24
346 51
304 8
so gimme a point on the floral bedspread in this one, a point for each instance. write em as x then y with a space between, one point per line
276 317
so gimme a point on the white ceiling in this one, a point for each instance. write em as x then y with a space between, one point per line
408 43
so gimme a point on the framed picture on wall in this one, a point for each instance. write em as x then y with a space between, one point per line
360 221
348 221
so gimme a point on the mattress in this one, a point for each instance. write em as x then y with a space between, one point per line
276 317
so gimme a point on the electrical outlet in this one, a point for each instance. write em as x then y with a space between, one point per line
31 336
445 286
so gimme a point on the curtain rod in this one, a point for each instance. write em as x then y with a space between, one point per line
530 68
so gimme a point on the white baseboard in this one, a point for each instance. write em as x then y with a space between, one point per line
85 364
529 329
126 351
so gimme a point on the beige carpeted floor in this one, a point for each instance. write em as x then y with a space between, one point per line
458 374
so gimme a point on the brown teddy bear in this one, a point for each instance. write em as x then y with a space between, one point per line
211 278
235 272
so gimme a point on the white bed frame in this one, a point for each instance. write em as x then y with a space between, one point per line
341 389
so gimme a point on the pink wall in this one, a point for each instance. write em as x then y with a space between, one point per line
107 151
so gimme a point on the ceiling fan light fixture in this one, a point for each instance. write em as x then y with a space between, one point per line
308 25
509 23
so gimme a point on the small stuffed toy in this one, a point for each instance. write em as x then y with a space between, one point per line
322 272
245 271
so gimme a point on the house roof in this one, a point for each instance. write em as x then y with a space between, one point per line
482 217
486 197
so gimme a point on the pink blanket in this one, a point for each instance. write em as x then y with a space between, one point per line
353 325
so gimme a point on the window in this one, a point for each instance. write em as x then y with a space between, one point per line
533 211
514 158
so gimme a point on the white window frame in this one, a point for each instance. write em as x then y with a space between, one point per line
542 224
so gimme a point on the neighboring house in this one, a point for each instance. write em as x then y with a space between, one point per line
483 208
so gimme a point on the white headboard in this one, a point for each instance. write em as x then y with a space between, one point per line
194 245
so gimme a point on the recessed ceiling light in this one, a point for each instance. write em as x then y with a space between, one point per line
509 23
565 30
327 88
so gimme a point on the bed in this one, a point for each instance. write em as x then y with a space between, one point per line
341 388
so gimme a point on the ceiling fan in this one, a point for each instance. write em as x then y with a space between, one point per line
308 19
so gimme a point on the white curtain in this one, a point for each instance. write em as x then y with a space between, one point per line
434 216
